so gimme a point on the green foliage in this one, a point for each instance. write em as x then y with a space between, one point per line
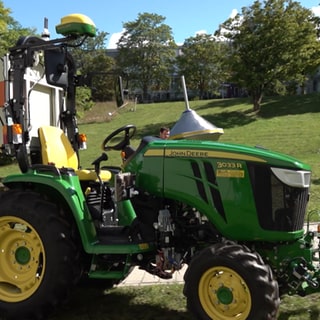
273 40
4 15
83 98
146 52
98 68
91 47
6 160
10 30
202 64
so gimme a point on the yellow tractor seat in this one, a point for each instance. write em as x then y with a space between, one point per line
57 150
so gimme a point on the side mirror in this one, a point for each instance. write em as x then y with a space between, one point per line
56 67
119 92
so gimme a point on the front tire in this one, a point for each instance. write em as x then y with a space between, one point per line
38 256
228 281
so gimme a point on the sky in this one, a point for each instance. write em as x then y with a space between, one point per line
185 17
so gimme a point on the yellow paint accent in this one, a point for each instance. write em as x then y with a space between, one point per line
154 153
144 246
230 173
57 150
19 281
76 18
222 277
184 135
202 153
229 165
76 24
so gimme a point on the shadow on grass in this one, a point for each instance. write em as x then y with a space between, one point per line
222 103
316 181
290 105
272 106
160 302
227 120
311 313
118 305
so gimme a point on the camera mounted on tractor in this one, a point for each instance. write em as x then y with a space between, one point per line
232 214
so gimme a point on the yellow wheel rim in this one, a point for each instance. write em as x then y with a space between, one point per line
22 259
224 294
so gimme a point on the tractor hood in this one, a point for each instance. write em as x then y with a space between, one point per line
210 150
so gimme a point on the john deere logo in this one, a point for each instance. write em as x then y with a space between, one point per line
187 153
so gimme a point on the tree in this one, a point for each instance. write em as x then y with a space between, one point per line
92 61
10 30
146 52
272 42
101 68
91 47
201 62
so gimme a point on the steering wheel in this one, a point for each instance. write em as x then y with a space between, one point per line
119 138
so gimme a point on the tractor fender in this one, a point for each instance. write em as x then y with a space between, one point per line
64 190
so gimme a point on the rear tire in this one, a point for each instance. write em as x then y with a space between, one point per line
39 258
228 281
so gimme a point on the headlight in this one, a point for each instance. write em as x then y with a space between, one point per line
292 178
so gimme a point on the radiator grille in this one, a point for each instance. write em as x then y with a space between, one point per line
279 207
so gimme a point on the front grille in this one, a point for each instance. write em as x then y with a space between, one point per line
279 207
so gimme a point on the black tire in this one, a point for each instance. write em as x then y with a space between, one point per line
39 257
228 281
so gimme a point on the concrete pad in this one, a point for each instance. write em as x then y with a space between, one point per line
140 277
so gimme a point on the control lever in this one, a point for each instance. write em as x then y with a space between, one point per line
97 162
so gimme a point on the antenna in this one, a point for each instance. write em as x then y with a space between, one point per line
45 33
185 93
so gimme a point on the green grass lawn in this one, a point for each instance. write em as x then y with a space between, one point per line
160 302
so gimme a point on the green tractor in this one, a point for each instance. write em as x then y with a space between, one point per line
234 215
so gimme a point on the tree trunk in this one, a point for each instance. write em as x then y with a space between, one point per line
145 94
256 104
256 99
